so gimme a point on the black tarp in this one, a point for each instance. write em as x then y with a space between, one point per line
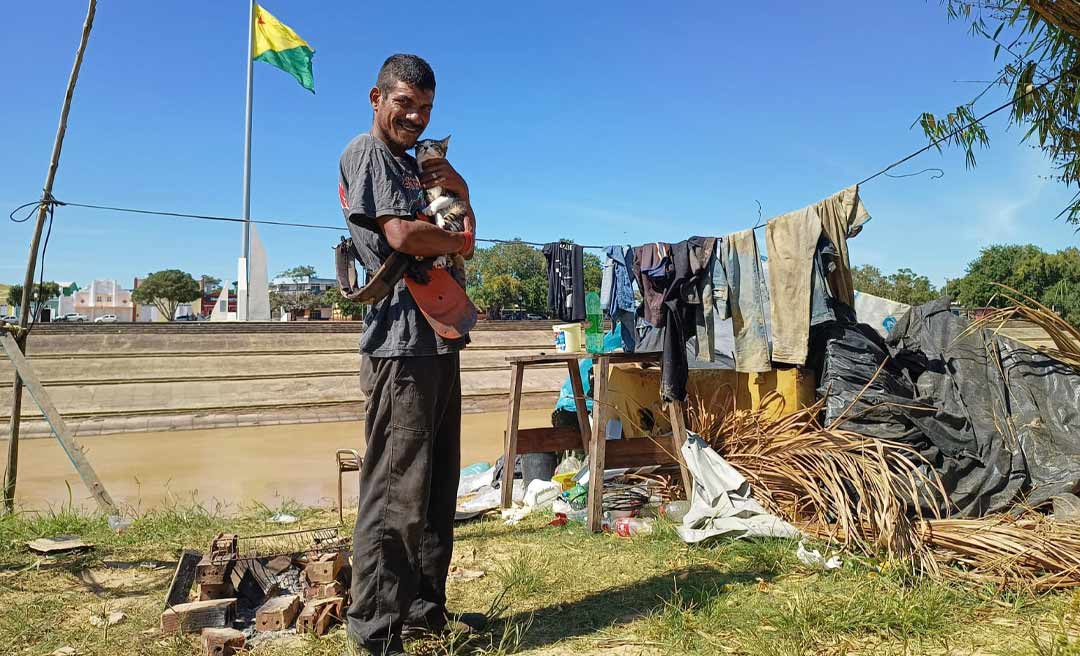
1000 422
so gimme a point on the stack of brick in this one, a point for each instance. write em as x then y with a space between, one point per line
307 589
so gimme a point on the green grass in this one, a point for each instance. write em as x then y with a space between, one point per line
548 590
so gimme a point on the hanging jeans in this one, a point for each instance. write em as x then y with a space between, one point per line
739 291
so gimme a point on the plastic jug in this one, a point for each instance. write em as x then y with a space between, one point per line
594 328
568 337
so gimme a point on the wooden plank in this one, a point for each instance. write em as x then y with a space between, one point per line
510 447
325 568
597 447
552 358
639 452
194 616
580 406
677 414
222 642
278 613
71 446
183 578
547 439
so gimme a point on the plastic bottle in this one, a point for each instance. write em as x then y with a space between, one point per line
674 511
594 329
625 527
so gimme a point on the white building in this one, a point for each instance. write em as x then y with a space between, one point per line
103 297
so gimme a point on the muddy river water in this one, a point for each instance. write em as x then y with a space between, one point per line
225 468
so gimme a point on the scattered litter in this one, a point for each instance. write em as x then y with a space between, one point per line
541 493
120 524
626 527
283 518
460 574
813 558
516 514
58 544
65 651
102 620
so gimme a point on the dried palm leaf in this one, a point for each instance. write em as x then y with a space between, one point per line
857 490
1065 336
1031 551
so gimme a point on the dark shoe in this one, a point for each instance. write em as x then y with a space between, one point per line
392 647
456 623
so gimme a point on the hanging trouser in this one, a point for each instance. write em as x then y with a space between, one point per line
404 535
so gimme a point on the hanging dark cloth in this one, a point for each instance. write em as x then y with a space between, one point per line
566 280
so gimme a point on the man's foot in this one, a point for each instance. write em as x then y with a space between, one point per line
392 647
460 624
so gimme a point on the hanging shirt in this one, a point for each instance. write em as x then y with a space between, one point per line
566 280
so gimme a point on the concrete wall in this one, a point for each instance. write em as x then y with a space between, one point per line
138 377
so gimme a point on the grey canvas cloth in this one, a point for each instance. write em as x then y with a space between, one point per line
721 505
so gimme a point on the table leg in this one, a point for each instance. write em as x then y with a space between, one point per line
579 403
677 414
598 446
510 441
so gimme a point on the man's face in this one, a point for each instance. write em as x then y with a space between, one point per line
402 114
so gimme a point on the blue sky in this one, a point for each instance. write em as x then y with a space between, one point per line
603 122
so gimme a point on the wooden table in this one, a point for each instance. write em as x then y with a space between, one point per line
602 452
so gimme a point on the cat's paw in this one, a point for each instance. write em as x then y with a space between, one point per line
441 262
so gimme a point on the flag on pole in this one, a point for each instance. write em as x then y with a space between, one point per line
277 45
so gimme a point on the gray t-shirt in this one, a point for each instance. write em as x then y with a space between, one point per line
373 183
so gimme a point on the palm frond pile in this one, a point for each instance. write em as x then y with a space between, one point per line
834 483
865 494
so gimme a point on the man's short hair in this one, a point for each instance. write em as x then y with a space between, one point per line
410 69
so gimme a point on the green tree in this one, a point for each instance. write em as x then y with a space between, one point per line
348 308
1021 267
1053 279
511 274
298 273
42 293
1038 43
165 290
903 286
209 283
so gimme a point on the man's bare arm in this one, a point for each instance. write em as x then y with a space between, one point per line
420 238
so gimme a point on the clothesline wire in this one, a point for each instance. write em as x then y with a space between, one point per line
52 202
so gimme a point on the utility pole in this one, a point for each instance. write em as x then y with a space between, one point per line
12 470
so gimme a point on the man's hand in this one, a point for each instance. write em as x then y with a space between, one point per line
470 226
439 173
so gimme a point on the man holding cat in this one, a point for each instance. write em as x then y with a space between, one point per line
410 375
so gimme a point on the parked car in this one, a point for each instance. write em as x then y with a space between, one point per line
9 319
106 318
71 316
187 317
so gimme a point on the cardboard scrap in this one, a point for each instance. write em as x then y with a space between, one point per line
58 544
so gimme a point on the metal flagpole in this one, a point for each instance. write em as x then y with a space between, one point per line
242 290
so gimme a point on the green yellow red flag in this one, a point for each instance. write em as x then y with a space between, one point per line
278 45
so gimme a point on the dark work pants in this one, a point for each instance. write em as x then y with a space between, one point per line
404 534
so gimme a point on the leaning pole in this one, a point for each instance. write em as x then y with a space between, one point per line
12 470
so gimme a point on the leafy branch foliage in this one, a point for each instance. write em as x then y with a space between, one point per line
1039 40
165 290
904 286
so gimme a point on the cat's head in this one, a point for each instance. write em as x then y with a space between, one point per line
431 149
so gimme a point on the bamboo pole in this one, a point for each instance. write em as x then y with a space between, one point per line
12 469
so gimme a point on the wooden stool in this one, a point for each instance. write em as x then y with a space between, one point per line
348 460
